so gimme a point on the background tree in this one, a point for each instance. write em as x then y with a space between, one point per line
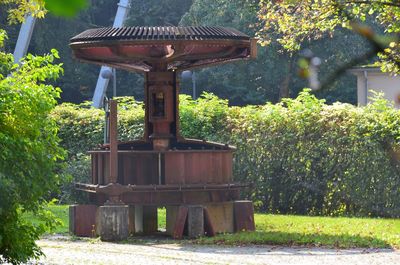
79 80
246 82
29 147
272 76
29 152
303 21
18 9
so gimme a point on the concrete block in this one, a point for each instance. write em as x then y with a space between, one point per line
113 222
195 221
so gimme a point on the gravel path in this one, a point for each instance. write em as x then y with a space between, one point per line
59 251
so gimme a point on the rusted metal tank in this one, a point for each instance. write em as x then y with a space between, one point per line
150 167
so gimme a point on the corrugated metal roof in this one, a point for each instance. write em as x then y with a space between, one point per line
160 33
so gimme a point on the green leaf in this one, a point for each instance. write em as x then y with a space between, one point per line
65 8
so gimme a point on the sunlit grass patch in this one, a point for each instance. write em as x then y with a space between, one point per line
340 232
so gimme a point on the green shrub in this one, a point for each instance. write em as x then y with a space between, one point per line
310 158
300 156
203 118
29 152
81 126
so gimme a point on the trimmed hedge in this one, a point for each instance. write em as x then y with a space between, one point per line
300 156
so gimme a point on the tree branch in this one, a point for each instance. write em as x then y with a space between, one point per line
371 38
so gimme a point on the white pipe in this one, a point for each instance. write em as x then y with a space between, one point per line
366 87
24 37
194 85
122 11
102 83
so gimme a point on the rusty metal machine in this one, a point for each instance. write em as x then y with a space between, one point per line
191 178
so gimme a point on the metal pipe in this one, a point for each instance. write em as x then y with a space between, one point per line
194 84
106 123
24 38
170 187
122 11
102 83
159 168
114 82
366 87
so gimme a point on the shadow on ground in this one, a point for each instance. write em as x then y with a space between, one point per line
272 239
297 239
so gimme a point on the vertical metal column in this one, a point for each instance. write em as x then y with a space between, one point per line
102 83
366 88
24 37
194 85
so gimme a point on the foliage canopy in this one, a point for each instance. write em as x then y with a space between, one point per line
30 153
294 22
38 8
272 76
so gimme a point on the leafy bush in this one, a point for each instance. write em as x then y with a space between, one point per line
310 158
300 156
29 152
203 118
81 126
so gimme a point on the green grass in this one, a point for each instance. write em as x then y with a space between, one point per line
60 211
342 232
162 218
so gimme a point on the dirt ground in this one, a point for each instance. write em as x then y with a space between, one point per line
60 250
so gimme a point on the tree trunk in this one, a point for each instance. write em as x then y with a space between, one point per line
284 86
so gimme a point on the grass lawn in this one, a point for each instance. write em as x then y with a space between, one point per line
60 211
341 232
272 229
